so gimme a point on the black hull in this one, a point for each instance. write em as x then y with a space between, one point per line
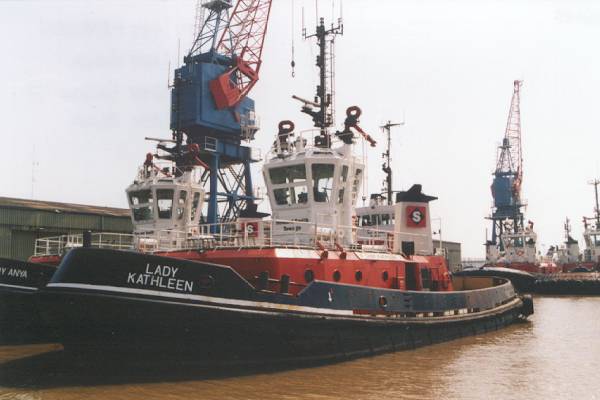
521 280
20 318
570 283
146 330
249 325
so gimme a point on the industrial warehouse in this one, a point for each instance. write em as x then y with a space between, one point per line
22 222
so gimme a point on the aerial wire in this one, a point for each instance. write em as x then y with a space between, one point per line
293 63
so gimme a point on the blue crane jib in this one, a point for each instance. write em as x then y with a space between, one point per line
193 109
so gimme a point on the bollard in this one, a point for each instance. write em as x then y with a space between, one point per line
263 280
284 285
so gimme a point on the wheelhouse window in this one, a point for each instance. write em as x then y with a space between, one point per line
181 204
291 195
142 213
164 199
140 197
288 174
195 203
355 183
385 219
365 220
342 183
322 175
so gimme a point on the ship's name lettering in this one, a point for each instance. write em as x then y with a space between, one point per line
14 272
160 276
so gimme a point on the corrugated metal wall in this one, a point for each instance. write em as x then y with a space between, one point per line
5 246
22 244
454 253
20 227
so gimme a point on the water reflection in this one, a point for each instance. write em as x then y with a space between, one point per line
556 355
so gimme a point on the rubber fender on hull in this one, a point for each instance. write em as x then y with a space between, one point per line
527 305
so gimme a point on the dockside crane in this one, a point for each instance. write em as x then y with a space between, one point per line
507 214
210 106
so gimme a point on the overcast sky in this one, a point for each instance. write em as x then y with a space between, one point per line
83 82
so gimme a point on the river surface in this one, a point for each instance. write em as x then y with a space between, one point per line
556 355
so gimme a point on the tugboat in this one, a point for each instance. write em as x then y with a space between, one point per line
306 284
567 256
591 235
513 243
580 274
301 286
517 250
20 282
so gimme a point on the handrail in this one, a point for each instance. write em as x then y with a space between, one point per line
58 245
239 234
270 233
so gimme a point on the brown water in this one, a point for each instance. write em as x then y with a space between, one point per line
554 356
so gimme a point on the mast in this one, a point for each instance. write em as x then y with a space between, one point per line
595 183
567 230
323 100
387 161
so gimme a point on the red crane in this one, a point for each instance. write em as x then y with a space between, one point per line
510 155
242 41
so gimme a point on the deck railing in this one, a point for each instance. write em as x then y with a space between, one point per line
58 245
239 234
271 233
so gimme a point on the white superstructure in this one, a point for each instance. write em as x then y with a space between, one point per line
517 247
166 203
591 236
314 184
408 220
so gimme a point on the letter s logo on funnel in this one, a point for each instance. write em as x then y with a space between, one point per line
415 217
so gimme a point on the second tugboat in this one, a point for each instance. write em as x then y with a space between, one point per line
307 284
591 235
513 243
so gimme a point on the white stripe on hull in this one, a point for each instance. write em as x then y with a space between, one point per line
206 299
18 287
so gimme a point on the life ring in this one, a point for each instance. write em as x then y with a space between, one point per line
520 252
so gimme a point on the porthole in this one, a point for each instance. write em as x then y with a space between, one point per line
358 275
337 275
385 276
309 275
382 302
